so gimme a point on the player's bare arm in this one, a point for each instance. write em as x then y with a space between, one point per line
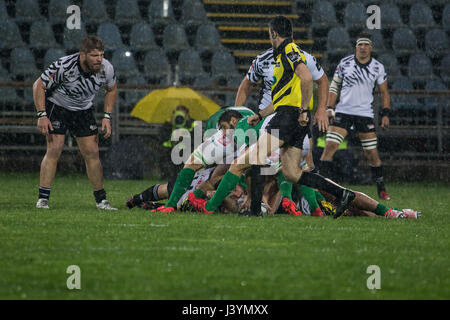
253 120
307 89
43 123
386 100
321 117
244 91
110 99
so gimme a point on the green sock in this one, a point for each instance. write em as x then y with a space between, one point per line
310 196
381 209
225 187
199 193
319 196
284 186
184 180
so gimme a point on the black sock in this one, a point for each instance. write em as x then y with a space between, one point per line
377 176
325 168
315 180
150 194
99 195
44 193
257 186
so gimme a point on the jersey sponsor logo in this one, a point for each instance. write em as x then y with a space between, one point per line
92 127
294 56
370 126
223 140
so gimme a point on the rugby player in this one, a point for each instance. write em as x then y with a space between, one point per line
354 82
63 97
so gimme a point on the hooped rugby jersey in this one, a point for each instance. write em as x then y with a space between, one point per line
262 69
358 84
70 87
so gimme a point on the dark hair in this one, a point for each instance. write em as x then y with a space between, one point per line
227 115
91 43
364 35
282 26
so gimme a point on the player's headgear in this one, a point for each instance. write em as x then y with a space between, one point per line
282 26
364 38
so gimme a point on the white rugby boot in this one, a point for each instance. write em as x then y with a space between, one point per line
105 205
42 204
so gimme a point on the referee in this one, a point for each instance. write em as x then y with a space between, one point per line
63 97
291 93
354 81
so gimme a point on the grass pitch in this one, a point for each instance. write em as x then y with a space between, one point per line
136 254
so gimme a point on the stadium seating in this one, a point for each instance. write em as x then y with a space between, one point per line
9 95
72 38
390 16
124 63
404 42
10 36
127 12
436 43
27 11
421 16
23 64
404 102
203 80
156 66
3 11
378 42
193 13
41 36
338 42
52 55
445 69
160 14
110 35
222 65
174 38
142 37
94 12
57 11
355 16
391 66
323 15
420 68
133 96
446 18
207 39
190 66
436 101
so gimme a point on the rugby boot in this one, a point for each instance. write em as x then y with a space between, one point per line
343 202
411 214
383 195
290 207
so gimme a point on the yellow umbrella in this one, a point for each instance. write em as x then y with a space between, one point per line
157 106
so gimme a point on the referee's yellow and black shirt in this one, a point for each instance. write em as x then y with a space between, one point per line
286 86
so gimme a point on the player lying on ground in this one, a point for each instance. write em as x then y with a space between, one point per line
215 149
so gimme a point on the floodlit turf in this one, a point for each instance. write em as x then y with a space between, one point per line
135 254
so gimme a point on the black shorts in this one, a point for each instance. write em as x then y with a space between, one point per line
290 131
354 123
79 123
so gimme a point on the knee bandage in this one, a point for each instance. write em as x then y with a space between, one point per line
334 137
369 144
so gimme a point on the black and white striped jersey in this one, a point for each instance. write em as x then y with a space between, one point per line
358 84
262 69
70 87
